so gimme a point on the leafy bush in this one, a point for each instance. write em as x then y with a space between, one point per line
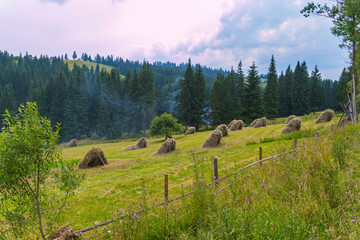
164 125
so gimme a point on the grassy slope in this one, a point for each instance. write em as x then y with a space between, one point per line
118 185
88 64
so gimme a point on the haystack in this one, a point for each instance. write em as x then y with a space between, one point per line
168 146
142 143
291 117
63 233
253 124
261 122
191 130
72 143
236 125
94 157
223 129
325 116
213 140
293 126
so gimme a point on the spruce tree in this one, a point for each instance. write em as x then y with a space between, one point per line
289 81
253 98
240 86
185 97
199 96
271 95
342 89
282 96
317 96
216 102
300 91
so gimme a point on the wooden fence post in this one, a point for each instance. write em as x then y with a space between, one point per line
260 154
166 190
295 143
216 173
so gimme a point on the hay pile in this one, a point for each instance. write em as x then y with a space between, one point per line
168 146
94 157
72 143
142 143
223 129
325 116
63 233
191 130
213 140
293 126
260 122
236 125
253 124
291 117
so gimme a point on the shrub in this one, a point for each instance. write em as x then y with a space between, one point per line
164 125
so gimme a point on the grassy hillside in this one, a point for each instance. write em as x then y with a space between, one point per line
121 184
87 64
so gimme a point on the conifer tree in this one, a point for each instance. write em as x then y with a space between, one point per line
300 91
317 96
253 98
216 103
342 89
282 95
240 85
271 96
199 96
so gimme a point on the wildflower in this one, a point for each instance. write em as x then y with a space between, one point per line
201 180
76 234
268 172
135 215
106 228
121 210
246 198
324 192
353 220
80 233
214 177
263 185
140 204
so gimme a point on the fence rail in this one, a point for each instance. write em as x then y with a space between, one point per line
166 187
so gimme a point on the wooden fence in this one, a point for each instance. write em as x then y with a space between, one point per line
166 187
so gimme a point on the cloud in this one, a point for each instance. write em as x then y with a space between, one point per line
60 2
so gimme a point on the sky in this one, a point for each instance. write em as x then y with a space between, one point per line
215 33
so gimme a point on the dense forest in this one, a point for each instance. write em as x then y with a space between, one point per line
122 102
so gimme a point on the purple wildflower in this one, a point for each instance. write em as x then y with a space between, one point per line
214 177
353 220
140 204
201 180
121 210
80 233
76 234
246 198
106 228
263 185
135 215
268 172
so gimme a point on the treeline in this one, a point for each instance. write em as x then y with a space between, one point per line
237 96
96 103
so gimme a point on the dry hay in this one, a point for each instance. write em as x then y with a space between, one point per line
291 117
325 116
142 143
293 126
94 157
63 233
253 124
261 122
168 146
223 129
236 125
213 140
72 143
191 130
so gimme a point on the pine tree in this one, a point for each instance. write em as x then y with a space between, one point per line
282 95
300 91
185 97
253 98
271 95
342 89
199 96
74 55
317 96
216 103
240 86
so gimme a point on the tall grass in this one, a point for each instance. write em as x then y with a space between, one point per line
312 193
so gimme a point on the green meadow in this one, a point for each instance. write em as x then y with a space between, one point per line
134 177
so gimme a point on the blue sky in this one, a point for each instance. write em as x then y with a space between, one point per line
215 33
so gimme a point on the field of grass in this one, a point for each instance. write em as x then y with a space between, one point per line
122 183
87 64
